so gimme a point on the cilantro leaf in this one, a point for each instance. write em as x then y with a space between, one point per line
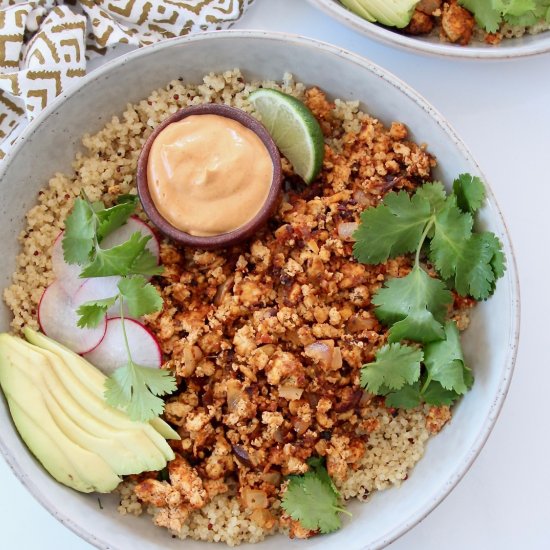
515 8
498 260
127 197
93 312
435 394
408 397
435 194
312 500
395 366
118 260
412 395
490 13
113 218
485 14
136 389
317 465
469 191
444 361
392 228
146 264
474 272
452 231
417 304
140 296
78 238
443 381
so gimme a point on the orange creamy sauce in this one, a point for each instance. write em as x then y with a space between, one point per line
208 174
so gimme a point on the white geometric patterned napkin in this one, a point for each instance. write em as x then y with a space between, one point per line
44 44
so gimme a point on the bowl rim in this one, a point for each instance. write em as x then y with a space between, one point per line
334 9
363 63
221 240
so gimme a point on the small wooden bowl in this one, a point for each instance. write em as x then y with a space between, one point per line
224 239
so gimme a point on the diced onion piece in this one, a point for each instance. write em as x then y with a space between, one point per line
278 436
234 394
359 324
300 426
290 392
320 351
366 398
360 197
346 230
312 399
253 499
336 363
273 478
242 455
222 290
268 349
263 518
191 356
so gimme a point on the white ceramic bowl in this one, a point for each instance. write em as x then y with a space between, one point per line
50 143
507 49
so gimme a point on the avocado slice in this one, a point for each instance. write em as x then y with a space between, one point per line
126 451
164 429
52 458
357 7
99 418
94 381
81 440
67 462
50 454
393 13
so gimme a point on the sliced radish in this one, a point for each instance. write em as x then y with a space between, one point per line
68 275
123 233
100 288
111 353
58 319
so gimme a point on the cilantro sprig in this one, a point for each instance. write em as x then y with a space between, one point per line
134 388
440 228
408 375
490 14
88 224
313 500
472 262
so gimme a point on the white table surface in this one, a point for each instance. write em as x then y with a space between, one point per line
502 111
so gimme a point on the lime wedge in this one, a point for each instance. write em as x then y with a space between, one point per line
293 128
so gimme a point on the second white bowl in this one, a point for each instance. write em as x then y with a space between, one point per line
508 49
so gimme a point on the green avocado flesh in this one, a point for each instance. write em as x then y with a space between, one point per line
56 402
94 380
393 13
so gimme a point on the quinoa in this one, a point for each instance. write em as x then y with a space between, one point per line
241 328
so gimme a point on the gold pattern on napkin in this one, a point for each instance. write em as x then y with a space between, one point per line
44 44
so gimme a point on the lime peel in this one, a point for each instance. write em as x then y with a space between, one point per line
294 129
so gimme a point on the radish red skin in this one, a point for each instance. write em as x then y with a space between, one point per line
59 302
133 225
68 274
111 353
57 319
